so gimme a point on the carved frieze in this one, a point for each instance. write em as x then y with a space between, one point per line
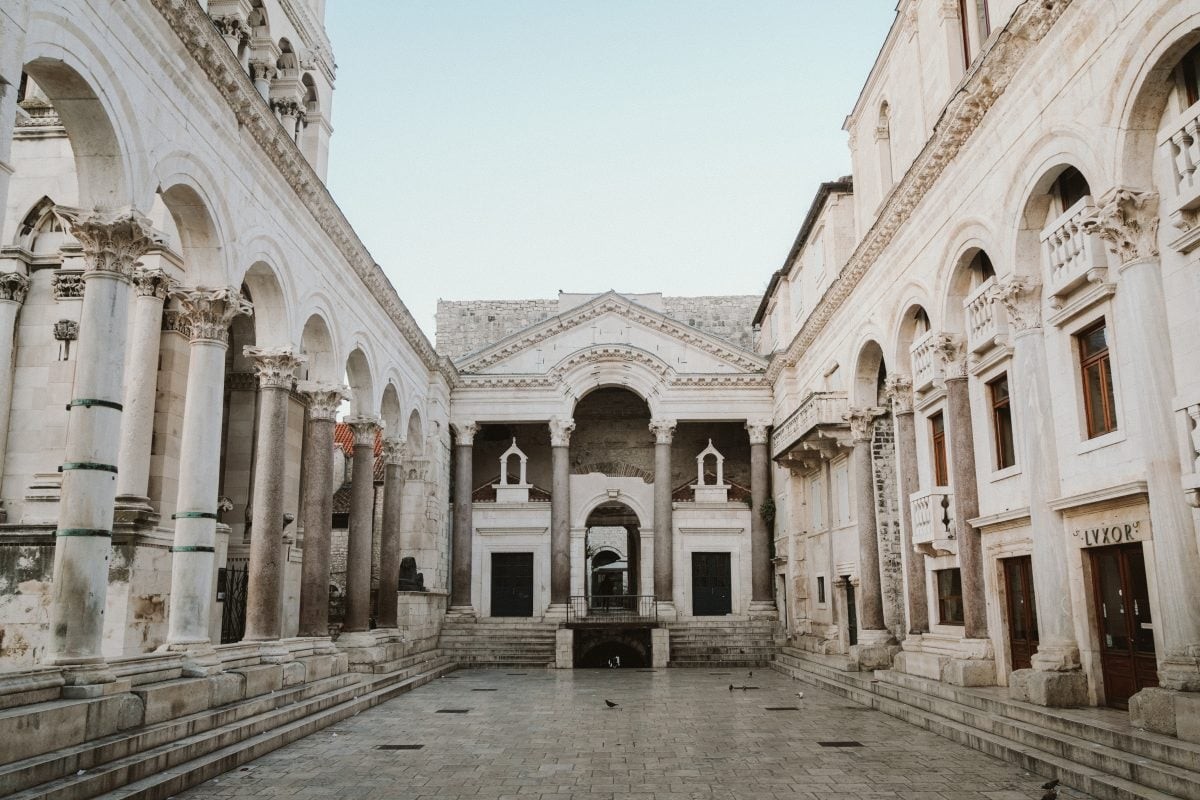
66 285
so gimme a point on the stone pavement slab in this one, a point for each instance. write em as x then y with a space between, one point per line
675 735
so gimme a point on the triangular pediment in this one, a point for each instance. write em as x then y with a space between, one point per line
611 320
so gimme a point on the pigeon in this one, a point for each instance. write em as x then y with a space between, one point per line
610 704
731 687
1051 795
750 674
800 695
1050 784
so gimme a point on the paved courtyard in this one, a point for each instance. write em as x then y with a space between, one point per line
675 735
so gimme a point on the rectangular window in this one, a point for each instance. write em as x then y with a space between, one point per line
840 473
949 593
1096 370
964 26
1002 426
941 470
821 589
816 503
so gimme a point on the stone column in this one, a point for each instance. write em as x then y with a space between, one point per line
207 314
899 390
560 511
324 400
276 369
1056 678
362 517
1128 220
112 242
966 491
394 451
760 535
664 529
874 649
13 288
460 570
141 385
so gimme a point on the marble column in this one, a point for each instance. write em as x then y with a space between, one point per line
872 629
324 400
560 510
664 529
359 548
112 242
394 451
966 490
899 391
1127 219
206 313
1056 678
760 534
276 370
460 569
13 288
141 385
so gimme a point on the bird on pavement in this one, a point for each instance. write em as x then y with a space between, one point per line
610 704
800 695
750 674
1051 795
1051 784
731 687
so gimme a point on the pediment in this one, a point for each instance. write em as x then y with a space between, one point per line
611 321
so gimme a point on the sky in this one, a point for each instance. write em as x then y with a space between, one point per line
507 149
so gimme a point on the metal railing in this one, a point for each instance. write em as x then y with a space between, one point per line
606 608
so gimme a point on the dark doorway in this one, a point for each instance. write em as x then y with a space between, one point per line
1022 613
1123 614
851 611
712 594
512 584
608 648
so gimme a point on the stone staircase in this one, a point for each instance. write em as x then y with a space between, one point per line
722 642
159 759
1093 750
498 642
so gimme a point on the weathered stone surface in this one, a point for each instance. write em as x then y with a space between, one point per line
172 699
1055 689
227 687
262 678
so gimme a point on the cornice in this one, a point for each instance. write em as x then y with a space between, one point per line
204 43
611 302
983 85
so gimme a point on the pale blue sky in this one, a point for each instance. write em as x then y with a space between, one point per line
509 149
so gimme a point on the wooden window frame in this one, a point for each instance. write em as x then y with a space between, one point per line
1001 419
1102 421
941 464
941 599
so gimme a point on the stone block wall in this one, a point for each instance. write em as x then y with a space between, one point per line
887 524
727 317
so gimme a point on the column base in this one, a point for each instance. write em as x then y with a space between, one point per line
961 662
667 611
1053 689
1167 711
763 609
462 613
1181 674
200 659
875 649
135 511
370 647
90 680
564 648
557 612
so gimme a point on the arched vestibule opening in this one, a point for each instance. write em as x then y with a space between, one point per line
612 549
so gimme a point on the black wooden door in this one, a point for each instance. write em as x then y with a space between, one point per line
712 593
1126 629
851 612
512 584
1022 614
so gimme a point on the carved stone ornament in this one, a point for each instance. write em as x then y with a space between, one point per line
207 313
757 428
275 366
112 239
1022 299
13 287
66 330
862 422
66 285
899 390
395 450
560 431
949 349
234 29
365 428
663 430
1128 221
324 399
175 321
153 283
262 70
466 433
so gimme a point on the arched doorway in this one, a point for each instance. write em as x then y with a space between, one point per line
611 545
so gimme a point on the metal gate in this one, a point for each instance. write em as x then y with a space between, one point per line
231 587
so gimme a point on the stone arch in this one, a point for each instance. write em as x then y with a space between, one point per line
416 433
40 230
1034 208
359 378
961 274
869 370
580 516
316 342
392 411
631 368
199 238
261 284
913 322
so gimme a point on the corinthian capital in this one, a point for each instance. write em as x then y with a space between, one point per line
1022 299
560 431
112 239
899 390
395 450
757 428
862 422
465 432
366 427
275 366
663 430
1128 221
153 283
206 313
13 286
324 399
949 349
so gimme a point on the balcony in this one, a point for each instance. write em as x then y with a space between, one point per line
927 366
987 322
933 521
1182 144
817 411
1072 257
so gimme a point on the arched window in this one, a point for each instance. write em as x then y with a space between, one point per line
1068 189
980 269
920 322
883 145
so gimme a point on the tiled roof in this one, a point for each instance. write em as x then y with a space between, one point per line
343 437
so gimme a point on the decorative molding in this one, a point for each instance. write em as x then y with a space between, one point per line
66 285
1131 490
274 366
1127 219
560 431
112 239
324 399
663 430
206 45
899 391
987 79
13 287
366 428
152 283
1022 299
207 313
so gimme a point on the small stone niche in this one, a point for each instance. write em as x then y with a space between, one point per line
711 492
513 492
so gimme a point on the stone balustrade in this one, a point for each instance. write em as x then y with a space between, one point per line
816 409
1183 143
927 367
1072 256
987 322
933 521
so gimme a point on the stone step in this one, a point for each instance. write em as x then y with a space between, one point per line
409 665
719 662
1079 763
